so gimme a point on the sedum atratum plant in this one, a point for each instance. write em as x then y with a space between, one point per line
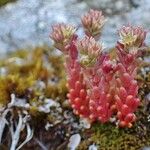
101 87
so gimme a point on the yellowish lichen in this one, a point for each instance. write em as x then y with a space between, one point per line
24 69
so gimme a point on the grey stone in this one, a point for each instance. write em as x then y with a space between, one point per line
27 23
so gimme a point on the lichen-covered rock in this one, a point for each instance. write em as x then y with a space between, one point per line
29 28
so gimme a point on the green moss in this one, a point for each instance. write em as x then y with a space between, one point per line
3 2
109 137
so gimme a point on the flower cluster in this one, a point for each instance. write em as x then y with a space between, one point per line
93 22
99 87
89 51
62 35
132 36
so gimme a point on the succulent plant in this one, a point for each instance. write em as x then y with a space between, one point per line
98 86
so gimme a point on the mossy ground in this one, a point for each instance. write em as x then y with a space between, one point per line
21 71
33 75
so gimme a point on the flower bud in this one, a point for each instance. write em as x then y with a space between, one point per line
132 38
89 51
62 35
93 22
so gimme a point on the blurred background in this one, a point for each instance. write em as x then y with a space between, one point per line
27 23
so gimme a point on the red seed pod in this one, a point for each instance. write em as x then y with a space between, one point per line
100 119
96 78
92 117
77 86
72 93
136 103
82 107
68 95
118 102
119 115
129 125
122 124
125 109
118 82
122 94
133 89
75 112
77 102
91 108
109 97
103 98
100 109
70 84
129 59
129 117
113 108
107 67
92 103
130 101
82 94
96 92
126 79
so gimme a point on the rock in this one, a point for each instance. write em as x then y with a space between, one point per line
92 147
110 7
26 23
146 148
74 141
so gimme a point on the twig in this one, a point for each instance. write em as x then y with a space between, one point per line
29 136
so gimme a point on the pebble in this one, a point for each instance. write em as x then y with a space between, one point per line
92 147
74 141
146 148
